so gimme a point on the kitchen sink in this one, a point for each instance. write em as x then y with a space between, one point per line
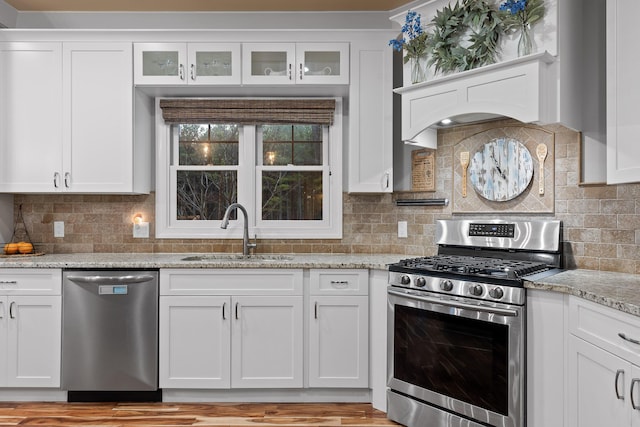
236 257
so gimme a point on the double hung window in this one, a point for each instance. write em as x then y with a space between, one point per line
287 176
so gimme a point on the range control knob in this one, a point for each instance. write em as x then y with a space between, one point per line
476 290
496 293
405 280
446 285
420 282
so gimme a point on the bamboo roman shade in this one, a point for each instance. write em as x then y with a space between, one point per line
248 111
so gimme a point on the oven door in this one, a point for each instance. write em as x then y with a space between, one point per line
462 355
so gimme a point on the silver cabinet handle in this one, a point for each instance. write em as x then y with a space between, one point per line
618 373
2 310
290 72
56 180
11 315
633 402
315 310
67 180
237 304
301 73
8 282
339 284
193 71
626 338
181 71
224 308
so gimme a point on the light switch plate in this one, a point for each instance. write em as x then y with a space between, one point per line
58 228
141 230
402 229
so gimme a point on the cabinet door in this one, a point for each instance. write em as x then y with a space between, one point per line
267 342
34 341
634 396
160 63
4 328
592 386
268 63
194 342
214 63
322 63
370 149
30 116
623 92
339 341
98 94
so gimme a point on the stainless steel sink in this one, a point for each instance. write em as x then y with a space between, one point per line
236 257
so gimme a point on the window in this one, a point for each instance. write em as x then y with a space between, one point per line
287 176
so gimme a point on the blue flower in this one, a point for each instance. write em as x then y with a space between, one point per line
413 36
514 6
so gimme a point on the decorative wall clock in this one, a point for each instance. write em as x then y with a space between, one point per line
501 169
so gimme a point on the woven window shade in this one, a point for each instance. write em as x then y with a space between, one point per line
248 111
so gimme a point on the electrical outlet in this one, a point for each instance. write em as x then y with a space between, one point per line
402 229
141 230
58 228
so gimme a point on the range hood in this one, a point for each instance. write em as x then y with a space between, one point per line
524 89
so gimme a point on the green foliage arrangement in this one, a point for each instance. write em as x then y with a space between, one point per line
518 13
465 36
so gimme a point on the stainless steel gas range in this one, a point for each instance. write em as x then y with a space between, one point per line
456 323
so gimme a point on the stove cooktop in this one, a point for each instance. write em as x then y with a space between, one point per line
469 266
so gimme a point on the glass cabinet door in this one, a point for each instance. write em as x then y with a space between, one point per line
160 63
318 63
268 63
214 63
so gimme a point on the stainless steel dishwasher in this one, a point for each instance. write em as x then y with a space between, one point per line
110 335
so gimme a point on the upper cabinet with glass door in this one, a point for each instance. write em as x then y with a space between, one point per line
295 63
187 63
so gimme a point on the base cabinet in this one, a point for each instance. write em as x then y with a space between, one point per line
30 328
211 339
603 366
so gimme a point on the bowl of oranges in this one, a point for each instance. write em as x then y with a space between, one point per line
19 248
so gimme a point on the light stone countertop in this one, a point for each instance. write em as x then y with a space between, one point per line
176 260
616 290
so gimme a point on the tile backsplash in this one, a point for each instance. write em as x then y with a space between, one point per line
601 222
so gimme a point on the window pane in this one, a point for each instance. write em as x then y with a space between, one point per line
292 196
205 195
292 144
202 144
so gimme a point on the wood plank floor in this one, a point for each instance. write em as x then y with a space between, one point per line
183 414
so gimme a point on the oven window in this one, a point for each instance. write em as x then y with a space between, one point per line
466 359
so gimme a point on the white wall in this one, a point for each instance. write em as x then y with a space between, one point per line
8 15
204 20
6 217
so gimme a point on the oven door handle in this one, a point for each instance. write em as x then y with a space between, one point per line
455 304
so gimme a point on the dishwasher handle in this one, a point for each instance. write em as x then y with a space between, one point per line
126 279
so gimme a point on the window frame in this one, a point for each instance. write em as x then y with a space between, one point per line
249 189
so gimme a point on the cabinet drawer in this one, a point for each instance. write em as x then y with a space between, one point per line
30 281
241 281
603 327
339 282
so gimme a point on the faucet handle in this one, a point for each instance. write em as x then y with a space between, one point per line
255 242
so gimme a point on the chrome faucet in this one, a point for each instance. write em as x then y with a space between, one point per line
245 236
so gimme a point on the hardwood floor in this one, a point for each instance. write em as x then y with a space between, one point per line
187 414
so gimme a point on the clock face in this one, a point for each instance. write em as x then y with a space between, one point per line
501 169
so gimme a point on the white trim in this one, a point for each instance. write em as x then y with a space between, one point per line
248 181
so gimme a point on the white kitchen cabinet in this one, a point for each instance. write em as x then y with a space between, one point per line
194 342
603 367
30 327
223 328
30 116
623 92
370 149
267 342
68 125
338 321
187 63
295 63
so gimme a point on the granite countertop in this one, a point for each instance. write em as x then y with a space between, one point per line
616 290
186 260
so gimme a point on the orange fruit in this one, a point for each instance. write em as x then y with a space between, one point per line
11 248
25 247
